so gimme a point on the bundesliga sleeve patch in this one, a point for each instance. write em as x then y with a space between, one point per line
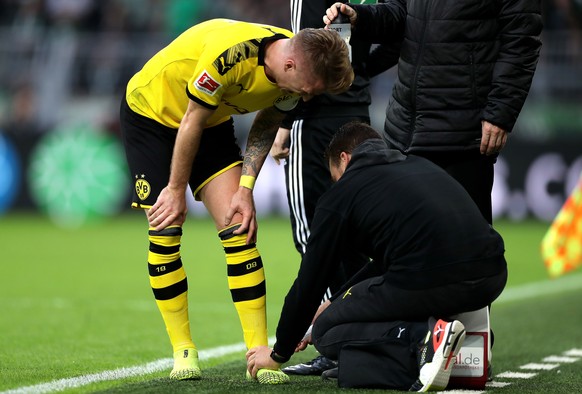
206 83
286 102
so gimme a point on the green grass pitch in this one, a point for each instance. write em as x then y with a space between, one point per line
77 302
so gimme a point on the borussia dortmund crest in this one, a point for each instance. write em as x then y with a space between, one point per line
142 187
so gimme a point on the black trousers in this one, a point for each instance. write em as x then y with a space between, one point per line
307 177
371 309
472 170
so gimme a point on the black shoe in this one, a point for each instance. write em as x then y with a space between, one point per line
330 374
313 367
437 355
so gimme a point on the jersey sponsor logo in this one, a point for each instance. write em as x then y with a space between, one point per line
206 83
286 102
236 54
142 187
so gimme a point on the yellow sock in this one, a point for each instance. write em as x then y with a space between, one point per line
246 281
169 284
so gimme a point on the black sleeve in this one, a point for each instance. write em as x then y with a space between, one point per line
382 58
320 261
520 28
380 23
308 13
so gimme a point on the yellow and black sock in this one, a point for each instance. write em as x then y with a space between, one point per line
246 281
169 284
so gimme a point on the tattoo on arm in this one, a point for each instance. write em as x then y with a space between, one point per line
260 139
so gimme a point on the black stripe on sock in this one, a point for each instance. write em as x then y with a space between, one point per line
245 267
227 233
169 231
248 293
172 291
165 250
236 249
162 269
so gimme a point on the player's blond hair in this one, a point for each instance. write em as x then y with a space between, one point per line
328 57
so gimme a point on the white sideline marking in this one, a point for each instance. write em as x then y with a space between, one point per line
516 375
535 366
495 384
121 373
559 359
517 293
541 288
459 391
573 352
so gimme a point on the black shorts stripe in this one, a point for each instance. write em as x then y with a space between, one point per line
236 249
245 268
167 293
248 293
162 269
165 250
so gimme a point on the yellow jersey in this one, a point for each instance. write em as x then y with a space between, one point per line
218 64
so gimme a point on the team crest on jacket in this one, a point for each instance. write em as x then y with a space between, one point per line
142 187
206 83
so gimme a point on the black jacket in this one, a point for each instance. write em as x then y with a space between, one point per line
417 223
461 62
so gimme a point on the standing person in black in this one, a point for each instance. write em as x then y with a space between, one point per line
305 134
432 253
464 73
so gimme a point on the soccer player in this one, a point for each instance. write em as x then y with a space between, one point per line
433 255
178 130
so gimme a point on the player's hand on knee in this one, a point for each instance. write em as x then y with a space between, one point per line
170 208
242 210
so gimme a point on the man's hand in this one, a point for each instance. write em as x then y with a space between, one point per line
258 358
170 208
331 14
493 138
280 148
302 345
242 203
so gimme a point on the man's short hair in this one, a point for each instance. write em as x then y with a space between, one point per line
347 138
327 55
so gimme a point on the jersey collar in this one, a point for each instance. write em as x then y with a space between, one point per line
263 45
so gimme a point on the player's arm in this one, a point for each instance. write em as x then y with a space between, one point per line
259 141
170 207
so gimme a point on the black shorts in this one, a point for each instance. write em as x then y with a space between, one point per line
149 146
